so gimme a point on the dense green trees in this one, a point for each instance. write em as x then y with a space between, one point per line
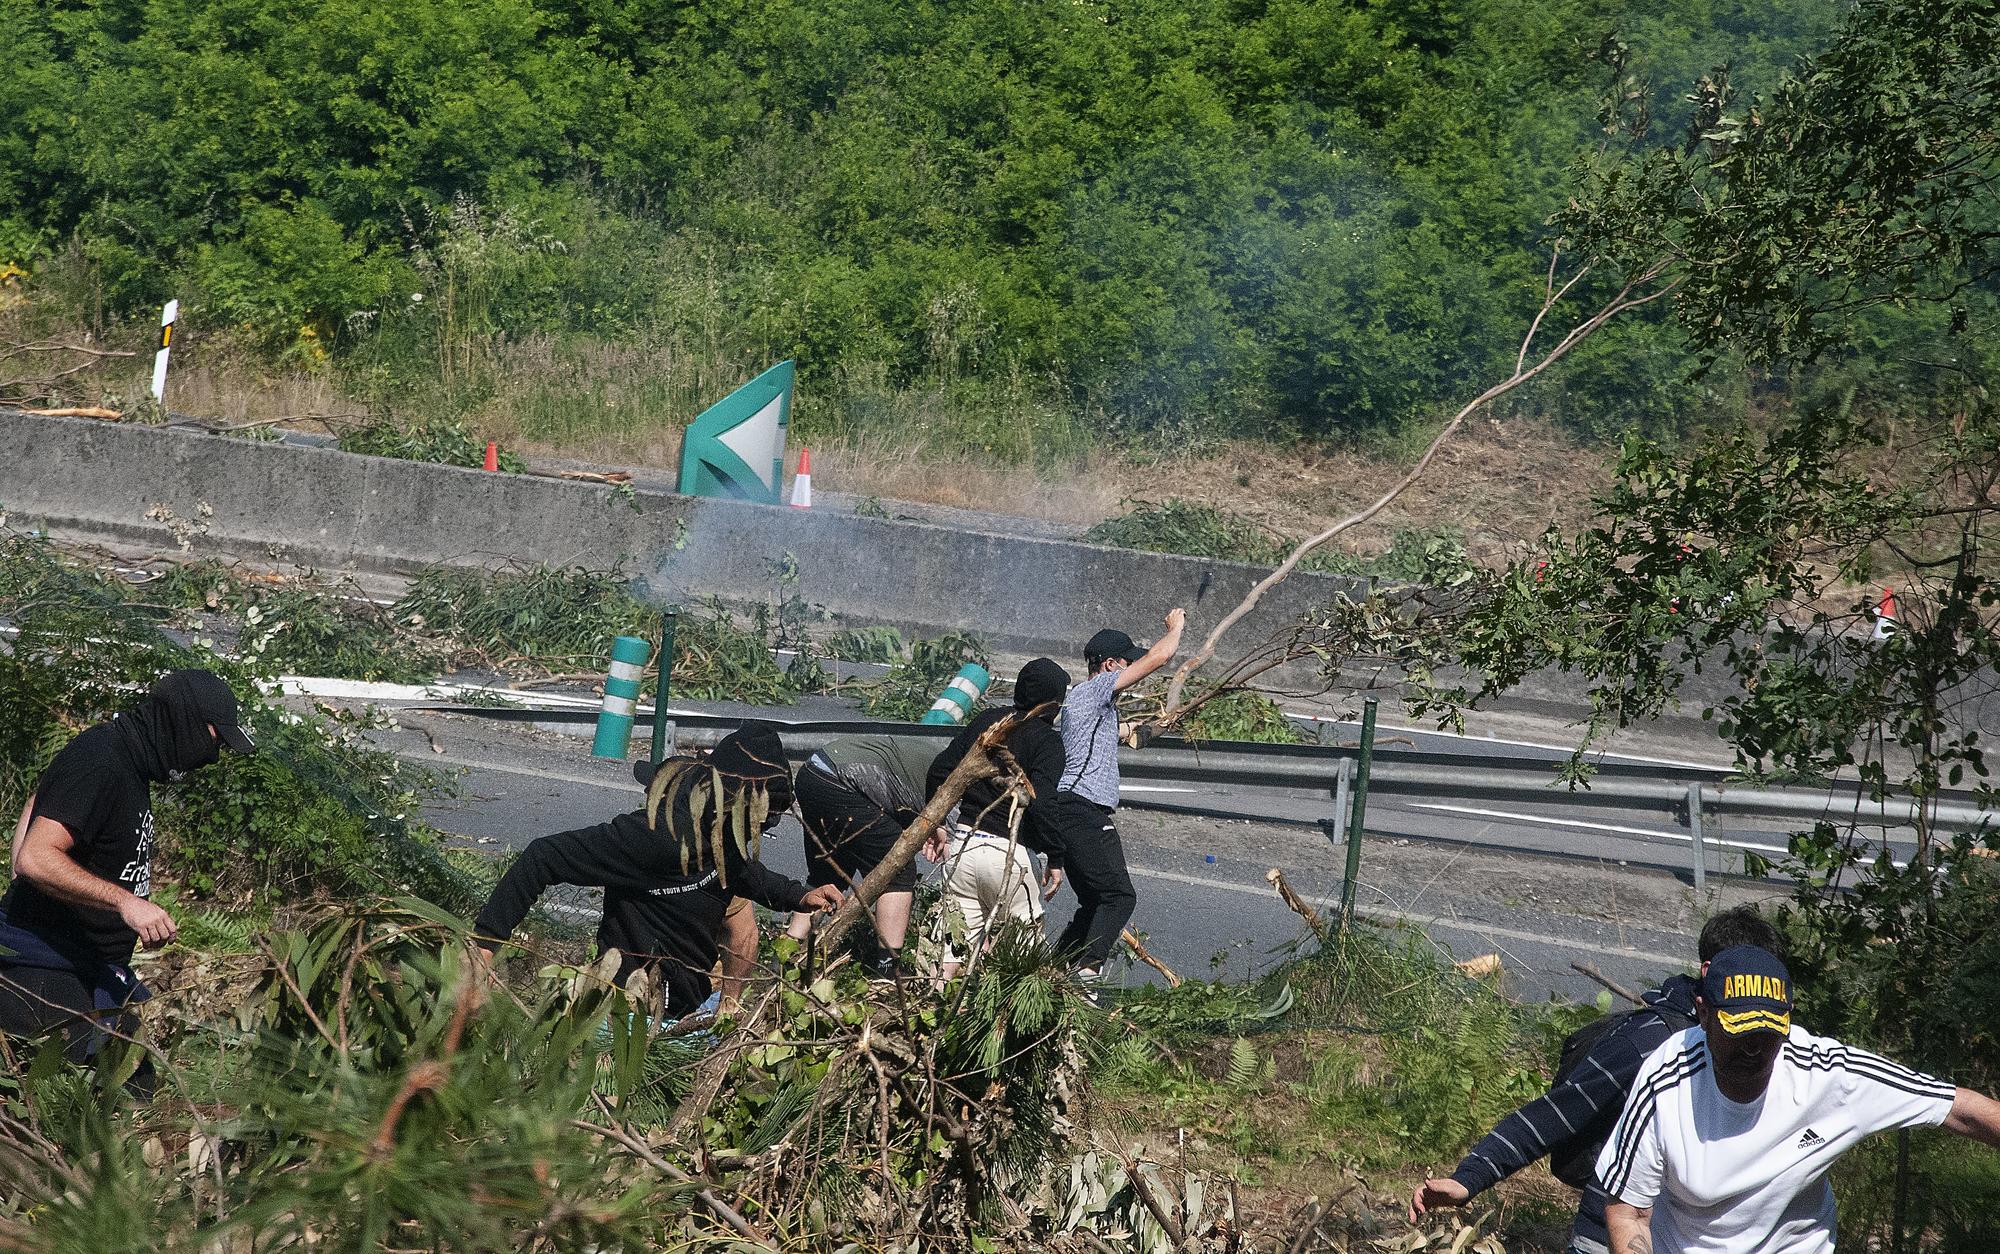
1290 215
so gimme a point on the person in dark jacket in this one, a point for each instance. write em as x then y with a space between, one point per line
668 870
988 874
82 860
1573 1119
856 795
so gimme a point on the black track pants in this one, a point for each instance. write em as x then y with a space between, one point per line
40 1001
847 835
1095 863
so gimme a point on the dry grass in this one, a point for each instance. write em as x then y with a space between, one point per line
1501 483
212 375
234 388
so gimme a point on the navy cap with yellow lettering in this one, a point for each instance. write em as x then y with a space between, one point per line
1749 990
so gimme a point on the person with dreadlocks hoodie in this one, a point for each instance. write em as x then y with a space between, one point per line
668 870
83 863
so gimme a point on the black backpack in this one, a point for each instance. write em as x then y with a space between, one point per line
1574 1162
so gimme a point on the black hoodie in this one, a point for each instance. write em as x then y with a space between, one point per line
663 899
1036 746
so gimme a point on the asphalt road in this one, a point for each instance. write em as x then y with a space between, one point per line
1205 907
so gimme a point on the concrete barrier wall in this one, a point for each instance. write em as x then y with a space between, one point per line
340 511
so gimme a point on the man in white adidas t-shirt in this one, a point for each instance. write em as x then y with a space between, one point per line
1726 1141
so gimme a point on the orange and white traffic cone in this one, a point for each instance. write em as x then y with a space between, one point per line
802 483
1885 615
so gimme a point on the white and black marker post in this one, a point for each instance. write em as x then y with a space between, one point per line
167 316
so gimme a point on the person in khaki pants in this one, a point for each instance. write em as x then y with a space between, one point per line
988 879
989 870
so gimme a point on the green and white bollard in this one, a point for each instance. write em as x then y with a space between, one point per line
621 697
959 696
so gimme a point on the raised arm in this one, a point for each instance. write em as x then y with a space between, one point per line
1631 1228
42 857
1159 655
1974 1115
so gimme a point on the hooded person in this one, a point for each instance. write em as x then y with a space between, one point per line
989 875
82 860
670 868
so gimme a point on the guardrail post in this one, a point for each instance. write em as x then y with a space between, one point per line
663 727
1335 827
1700 848
1360 815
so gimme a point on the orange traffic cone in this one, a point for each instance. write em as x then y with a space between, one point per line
492 455
802 483
1885 615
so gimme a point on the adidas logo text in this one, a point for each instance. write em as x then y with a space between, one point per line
1811 1140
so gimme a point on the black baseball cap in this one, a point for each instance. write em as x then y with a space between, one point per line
1111 643
1749 990
205 695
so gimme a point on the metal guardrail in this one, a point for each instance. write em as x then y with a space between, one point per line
1689 795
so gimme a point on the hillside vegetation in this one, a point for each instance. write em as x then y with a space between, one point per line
1020 229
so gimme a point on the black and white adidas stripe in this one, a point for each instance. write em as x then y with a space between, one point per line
1644 1107
1832 1058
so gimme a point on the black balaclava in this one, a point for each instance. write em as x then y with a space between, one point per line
167 733
1041 683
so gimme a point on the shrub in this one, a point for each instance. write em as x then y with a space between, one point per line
443 441
913 685
312 811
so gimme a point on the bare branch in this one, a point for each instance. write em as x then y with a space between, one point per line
72 411
1139 951
47 346
1620 303
638 1149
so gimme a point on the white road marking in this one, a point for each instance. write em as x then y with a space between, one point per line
360 690
1685 838
1425 921
1607 754
609 783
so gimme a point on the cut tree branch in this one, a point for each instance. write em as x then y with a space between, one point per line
1623 301
719 1208
987 757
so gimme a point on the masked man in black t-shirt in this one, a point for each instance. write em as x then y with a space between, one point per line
669 870
82 861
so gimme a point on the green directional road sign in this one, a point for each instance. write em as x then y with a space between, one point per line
737 447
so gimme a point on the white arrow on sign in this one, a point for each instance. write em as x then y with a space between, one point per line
755 440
